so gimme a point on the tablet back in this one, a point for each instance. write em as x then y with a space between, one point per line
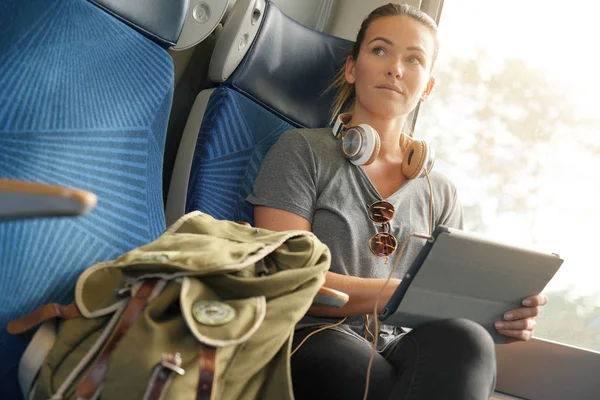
462 275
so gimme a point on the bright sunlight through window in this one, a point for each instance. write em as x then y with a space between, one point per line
515 124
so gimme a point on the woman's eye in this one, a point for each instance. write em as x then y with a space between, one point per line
379 51
414 60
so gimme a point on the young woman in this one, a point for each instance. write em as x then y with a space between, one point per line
364 213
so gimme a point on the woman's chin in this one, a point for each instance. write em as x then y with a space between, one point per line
389 112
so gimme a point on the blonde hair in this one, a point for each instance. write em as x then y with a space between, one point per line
344 99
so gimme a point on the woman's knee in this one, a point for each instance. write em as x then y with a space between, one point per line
461 346
452 359
459 339
469 334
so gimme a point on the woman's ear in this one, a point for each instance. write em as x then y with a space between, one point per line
349 71
428 88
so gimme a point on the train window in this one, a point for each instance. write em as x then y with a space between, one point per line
514 121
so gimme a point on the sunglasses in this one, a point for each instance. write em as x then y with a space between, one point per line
382 244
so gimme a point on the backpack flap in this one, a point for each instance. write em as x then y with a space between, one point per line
206 333
100 290
222 328
199 245
218 322
181 254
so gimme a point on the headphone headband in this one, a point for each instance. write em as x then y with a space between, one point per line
361 144
340 124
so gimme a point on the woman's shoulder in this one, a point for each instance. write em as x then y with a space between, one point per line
442 182
319 140
314 137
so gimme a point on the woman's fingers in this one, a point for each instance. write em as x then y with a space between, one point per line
519 335
521 324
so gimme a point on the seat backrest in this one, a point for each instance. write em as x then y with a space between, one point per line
84 102
281 70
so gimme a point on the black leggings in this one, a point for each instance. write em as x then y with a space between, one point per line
450 359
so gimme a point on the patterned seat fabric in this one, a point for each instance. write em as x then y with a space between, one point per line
280 83
84 102
235 136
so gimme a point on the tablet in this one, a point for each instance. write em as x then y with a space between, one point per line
463 275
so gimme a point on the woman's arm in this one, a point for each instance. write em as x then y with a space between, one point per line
362 291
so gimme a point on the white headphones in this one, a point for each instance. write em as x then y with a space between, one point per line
361 144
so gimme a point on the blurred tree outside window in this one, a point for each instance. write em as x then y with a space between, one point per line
515 124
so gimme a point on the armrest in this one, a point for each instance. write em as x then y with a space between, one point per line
327 297
20 199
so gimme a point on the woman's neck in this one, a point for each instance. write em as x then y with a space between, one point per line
389 131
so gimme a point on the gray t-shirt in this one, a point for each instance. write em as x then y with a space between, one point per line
306 173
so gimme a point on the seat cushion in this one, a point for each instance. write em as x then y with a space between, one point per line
84 102
235 135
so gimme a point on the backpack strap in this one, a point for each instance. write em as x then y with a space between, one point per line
42 341
170 363
42 314
161 375
207 357
93 379
34 356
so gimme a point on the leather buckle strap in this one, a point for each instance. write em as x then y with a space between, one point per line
93 379
162 374
207 357
42 314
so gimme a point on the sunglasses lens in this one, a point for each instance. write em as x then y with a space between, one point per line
381 212
383 244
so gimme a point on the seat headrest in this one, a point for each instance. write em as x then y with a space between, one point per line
203 17
160 20
288 68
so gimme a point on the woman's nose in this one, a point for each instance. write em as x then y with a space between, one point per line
395 69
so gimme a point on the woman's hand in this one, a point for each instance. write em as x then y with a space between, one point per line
518 324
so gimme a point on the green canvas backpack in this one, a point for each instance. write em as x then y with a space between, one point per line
206 311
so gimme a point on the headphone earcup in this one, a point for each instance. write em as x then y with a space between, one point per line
361 144
376 147
418 158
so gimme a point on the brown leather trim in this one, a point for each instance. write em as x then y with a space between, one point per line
158 382
207 357
161 375
376 149
95 375
40 315
412 165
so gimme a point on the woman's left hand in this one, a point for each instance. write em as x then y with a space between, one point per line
518 324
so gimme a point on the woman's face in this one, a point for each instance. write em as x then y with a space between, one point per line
392 71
